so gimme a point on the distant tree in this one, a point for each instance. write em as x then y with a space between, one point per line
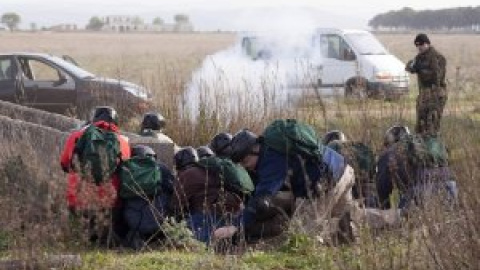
11 20
181 18
461 18
95 23
158 21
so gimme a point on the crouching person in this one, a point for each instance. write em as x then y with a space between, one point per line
286 166
91 157
417 167
362 159
146 189
201 196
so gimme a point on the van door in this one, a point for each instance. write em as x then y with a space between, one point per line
338 61
46 86
8 72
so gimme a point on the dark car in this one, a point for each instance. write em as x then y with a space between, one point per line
53 84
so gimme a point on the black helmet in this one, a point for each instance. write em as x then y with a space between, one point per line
220 144
334 135
242 144
185 156
153 121
143 151
105 113
395 134
204 151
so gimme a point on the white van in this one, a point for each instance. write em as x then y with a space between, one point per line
350 60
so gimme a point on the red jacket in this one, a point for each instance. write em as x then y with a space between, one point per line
81 194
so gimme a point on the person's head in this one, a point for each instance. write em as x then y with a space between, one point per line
220 144
422 42
105 113
185 157
334 135
245 149
153 121
204 152
395 134
143 151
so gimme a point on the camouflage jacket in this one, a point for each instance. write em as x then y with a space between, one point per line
430 68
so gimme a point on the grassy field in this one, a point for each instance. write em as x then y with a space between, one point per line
164 63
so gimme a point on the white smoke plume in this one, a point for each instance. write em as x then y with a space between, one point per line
280 65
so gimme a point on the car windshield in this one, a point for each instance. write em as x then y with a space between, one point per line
366 44
71 68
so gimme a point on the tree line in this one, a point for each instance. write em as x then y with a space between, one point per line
460 18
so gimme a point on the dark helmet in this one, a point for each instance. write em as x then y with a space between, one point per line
242 144
105 113
153 121
334 135
220 144
204 151
395 134
185 156
143 151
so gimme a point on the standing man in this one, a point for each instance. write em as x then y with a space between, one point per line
429 65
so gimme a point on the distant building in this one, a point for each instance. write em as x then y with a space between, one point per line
64 27
118 23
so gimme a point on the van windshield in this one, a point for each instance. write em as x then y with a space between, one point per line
366 44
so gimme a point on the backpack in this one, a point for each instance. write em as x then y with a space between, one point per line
139 176
235 178
296 138
358 153
426 152
98 151
292 138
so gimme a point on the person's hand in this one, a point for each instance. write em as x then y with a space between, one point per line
410 66
224 232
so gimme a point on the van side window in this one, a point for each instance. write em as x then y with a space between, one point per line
7 70
334 46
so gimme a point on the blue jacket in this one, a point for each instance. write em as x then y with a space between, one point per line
273 168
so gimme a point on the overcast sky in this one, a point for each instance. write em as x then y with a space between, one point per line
219 14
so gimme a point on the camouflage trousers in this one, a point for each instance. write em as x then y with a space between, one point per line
430 104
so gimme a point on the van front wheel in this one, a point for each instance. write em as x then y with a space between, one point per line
356 88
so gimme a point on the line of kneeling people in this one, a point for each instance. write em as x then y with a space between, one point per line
262 201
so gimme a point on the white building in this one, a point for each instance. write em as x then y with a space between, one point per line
117 23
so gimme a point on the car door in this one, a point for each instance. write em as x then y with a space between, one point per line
46 86
338 61
8 85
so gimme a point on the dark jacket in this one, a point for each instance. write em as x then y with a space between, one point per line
412 180
197 191
430 68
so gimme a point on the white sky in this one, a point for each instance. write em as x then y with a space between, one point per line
215 14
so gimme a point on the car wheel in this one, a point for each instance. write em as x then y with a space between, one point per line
356 88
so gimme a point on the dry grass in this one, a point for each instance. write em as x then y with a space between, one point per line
164 63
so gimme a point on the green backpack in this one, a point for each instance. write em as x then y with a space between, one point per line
98 151
427 151
356 152
139 176
292 138
234 176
